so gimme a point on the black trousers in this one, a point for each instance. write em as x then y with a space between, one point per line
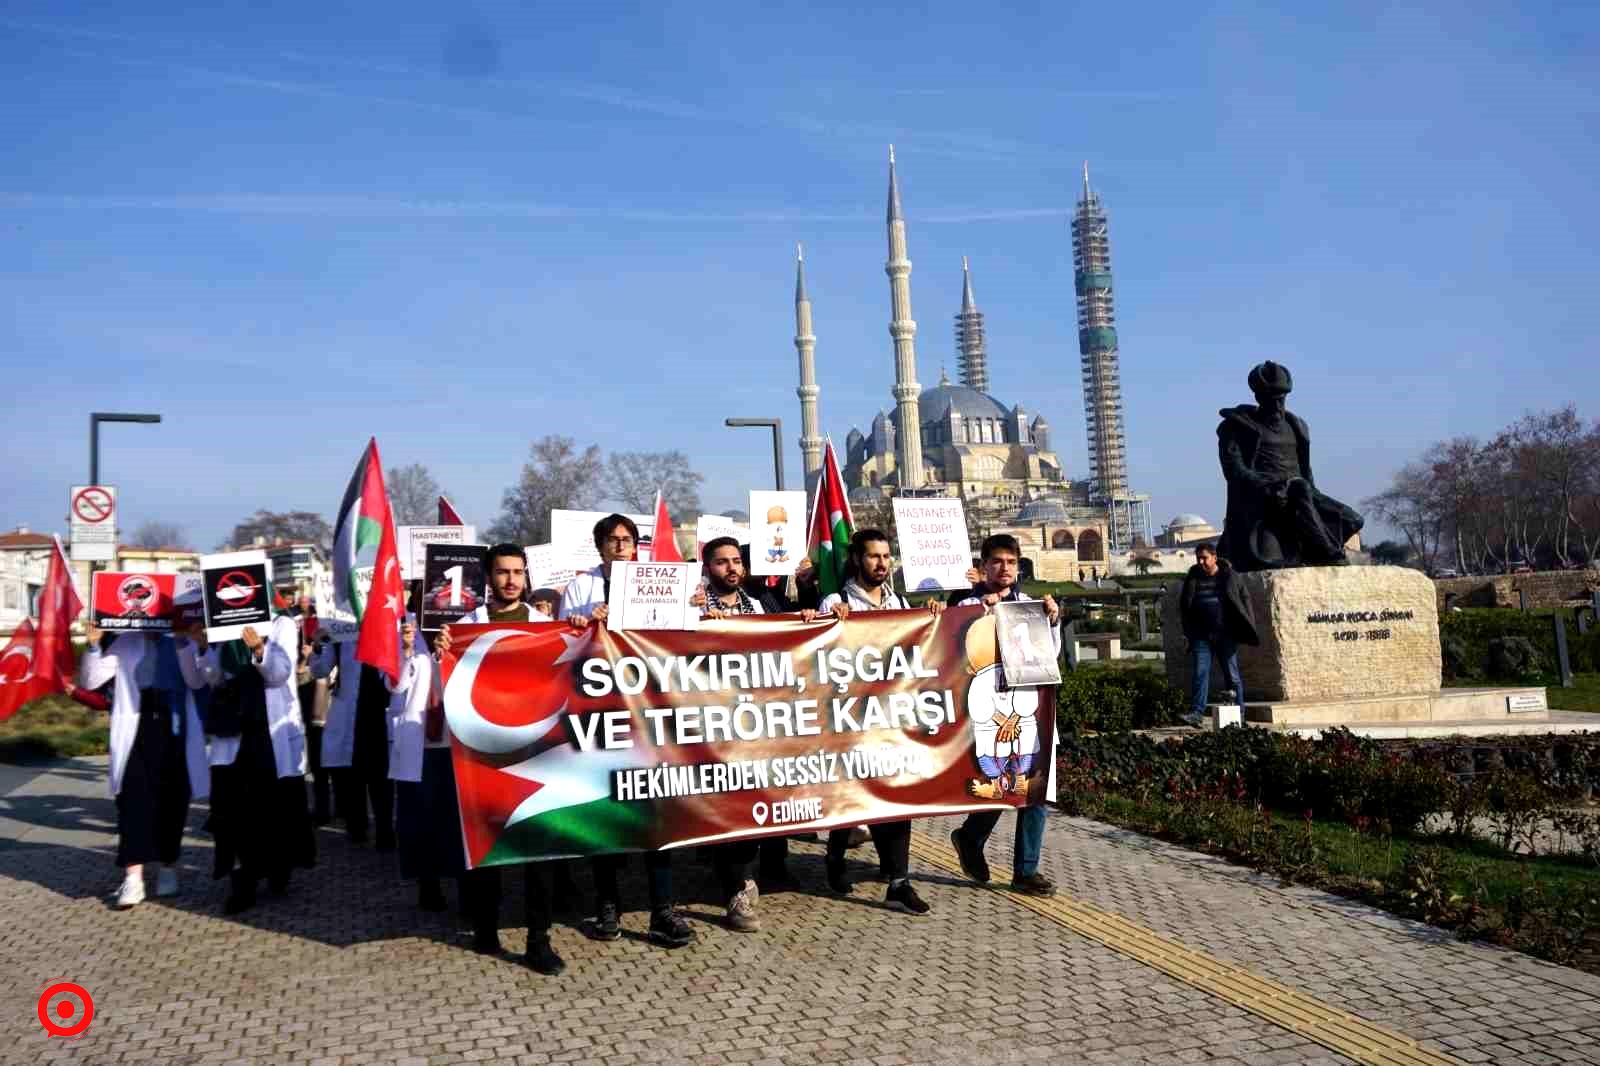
153 801
658 875
354 787
893 841
735 861
321 776
484 886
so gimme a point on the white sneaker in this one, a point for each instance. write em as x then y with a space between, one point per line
167 882
131 893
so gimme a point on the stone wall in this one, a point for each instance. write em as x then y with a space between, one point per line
1328 633
1548 588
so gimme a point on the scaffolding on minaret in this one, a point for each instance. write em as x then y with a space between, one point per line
805 343
1102 374
971 356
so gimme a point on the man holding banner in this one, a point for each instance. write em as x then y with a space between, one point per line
1000 568
868 587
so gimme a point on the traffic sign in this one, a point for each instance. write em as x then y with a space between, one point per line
93 517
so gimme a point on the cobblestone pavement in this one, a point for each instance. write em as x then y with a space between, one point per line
345 969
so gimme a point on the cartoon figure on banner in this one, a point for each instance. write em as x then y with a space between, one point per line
1005 727
137 594
777 518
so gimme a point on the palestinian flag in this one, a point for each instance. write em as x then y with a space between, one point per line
524 790
828 540
366 565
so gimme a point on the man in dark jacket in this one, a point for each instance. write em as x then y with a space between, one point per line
1216 619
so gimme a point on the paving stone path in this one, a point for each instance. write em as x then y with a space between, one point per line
346 970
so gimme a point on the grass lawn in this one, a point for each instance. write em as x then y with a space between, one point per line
53 727
1584 695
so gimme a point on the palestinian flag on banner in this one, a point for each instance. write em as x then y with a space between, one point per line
524 790
828 540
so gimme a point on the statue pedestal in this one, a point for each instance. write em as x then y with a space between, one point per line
1355 646
1328 633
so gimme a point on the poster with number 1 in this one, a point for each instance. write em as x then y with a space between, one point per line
452 586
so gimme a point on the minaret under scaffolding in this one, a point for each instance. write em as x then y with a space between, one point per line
1097 345
903 328
971 355
806 344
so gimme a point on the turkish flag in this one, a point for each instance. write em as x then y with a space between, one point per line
39 661
378 644
448 515
663 545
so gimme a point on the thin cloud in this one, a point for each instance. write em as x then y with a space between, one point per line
363 207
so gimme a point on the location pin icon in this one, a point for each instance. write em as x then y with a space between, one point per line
759 812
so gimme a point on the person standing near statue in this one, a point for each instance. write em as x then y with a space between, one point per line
1277 517
1216 614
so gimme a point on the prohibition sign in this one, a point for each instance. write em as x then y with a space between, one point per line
92 504
236 588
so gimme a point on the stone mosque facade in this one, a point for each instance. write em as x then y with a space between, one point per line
998 458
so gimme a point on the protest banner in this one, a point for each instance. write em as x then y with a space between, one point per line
599 742
124 602
1028 653
339 625
934 552
237 592
653 596
453 585
411 540
777 531
572 537
711 526
544 570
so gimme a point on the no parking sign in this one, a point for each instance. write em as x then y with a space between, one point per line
92 514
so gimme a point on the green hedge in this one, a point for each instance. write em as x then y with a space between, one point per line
1108 700
1465 637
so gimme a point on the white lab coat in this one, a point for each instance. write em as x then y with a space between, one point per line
408 715
339 729
583 594
285 727
121 662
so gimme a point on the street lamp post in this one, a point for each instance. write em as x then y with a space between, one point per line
776 425
94 435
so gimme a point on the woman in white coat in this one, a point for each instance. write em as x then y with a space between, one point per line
426 821
158 758
258 761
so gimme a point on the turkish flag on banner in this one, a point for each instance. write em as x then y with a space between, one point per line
39 661
663 545
378 644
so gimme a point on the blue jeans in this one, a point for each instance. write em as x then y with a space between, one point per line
1029 840
1201 653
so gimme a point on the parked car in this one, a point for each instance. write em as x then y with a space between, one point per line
1445 572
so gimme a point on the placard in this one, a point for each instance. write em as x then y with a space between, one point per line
336 624
934 551
1027 652
453 584
92 513
1523 702
237 588
544 571
711 526
653 596
129 602
777 531
411 540
572 537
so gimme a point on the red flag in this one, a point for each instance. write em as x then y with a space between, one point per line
663 545
379 641
448 515
39 661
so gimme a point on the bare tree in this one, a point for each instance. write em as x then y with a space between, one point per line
1412 505
413 495
556 476
157 534
270 526
634 478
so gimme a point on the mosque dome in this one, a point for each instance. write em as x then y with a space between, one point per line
1045 512
1184 521
935 404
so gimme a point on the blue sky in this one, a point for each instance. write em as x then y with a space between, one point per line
459 227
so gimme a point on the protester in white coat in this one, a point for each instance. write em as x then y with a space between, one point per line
258 761
355 743
158 758
426 824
